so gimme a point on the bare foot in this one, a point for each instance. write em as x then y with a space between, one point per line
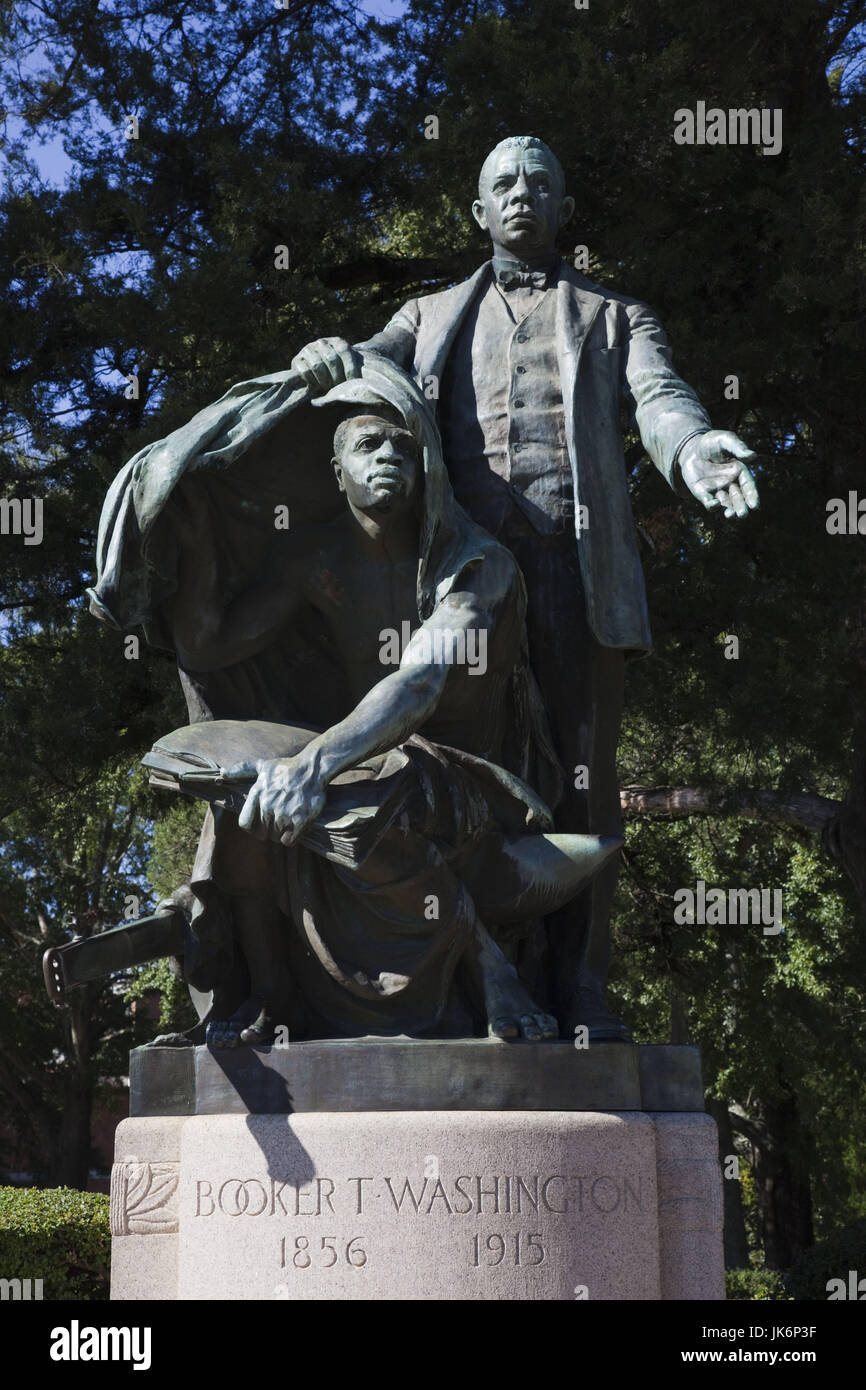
511 1012
510 1009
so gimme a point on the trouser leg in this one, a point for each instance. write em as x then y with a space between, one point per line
579 934
582 686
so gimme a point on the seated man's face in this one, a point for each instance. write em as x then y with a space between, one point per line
378 465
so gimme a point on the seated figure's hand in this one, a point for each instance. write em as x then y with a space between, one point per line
713 467
325 363
287 794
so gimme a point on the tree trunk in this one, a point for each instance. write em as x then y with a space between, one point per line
781 1181
845 836
70 1159
736 1244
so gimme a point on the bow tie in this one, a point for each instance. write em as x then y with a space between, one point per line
523 279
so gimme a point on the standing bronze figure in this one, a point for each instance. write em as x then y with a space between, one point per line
532 362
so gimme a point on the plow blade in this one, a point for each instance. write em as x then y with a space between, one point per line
131 943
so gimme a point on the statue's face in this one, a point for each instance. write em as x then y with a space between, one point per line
379 465
521 203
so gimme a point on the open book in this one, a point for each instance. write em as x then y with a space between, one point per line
361 804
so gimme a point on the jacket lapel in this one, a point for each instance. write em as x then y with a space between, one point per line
438 326
577 307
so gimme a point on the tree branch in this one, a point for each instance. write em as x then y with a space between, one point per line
750 1128
394 270
801 810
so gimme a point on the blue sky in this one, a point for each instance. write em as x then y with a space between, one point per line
52 161
382 9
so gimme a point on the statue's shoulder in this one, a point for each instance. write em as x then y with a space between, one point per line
443 301
594 287
631 313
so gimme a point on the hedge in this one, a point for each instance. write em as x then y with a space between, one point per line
832 1258
58 1235
756 1285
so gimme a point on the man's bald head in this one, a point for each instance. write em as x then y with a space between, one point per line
520 142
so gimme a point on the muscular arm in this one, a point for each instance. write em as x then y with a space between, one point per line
401 703
392 711
289 793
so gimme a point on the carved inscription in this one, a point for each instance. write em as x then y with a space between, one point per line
465 1195
496 1248
325 1252
508 1195
264 1196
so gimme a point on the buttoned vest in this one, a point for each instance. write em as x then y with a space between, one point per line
502 416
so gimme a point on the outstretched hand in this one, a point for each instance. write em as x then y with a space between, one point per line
287 794
714 470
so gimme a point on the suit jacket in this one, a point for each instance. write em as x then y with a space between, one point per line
609 347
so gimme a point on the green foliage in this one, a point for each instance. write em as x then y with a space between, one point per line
751 1208
756 1285
832 1258
176 1013
773 1015
59 1236
173 846
69 862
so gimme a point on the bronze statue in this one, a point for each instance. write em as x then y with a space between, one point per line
445 641
531 361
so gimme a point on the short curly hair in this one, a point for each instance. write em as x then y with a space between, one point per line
378 412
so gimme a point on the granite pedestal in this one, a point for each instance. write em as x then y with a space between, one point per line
392 1169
